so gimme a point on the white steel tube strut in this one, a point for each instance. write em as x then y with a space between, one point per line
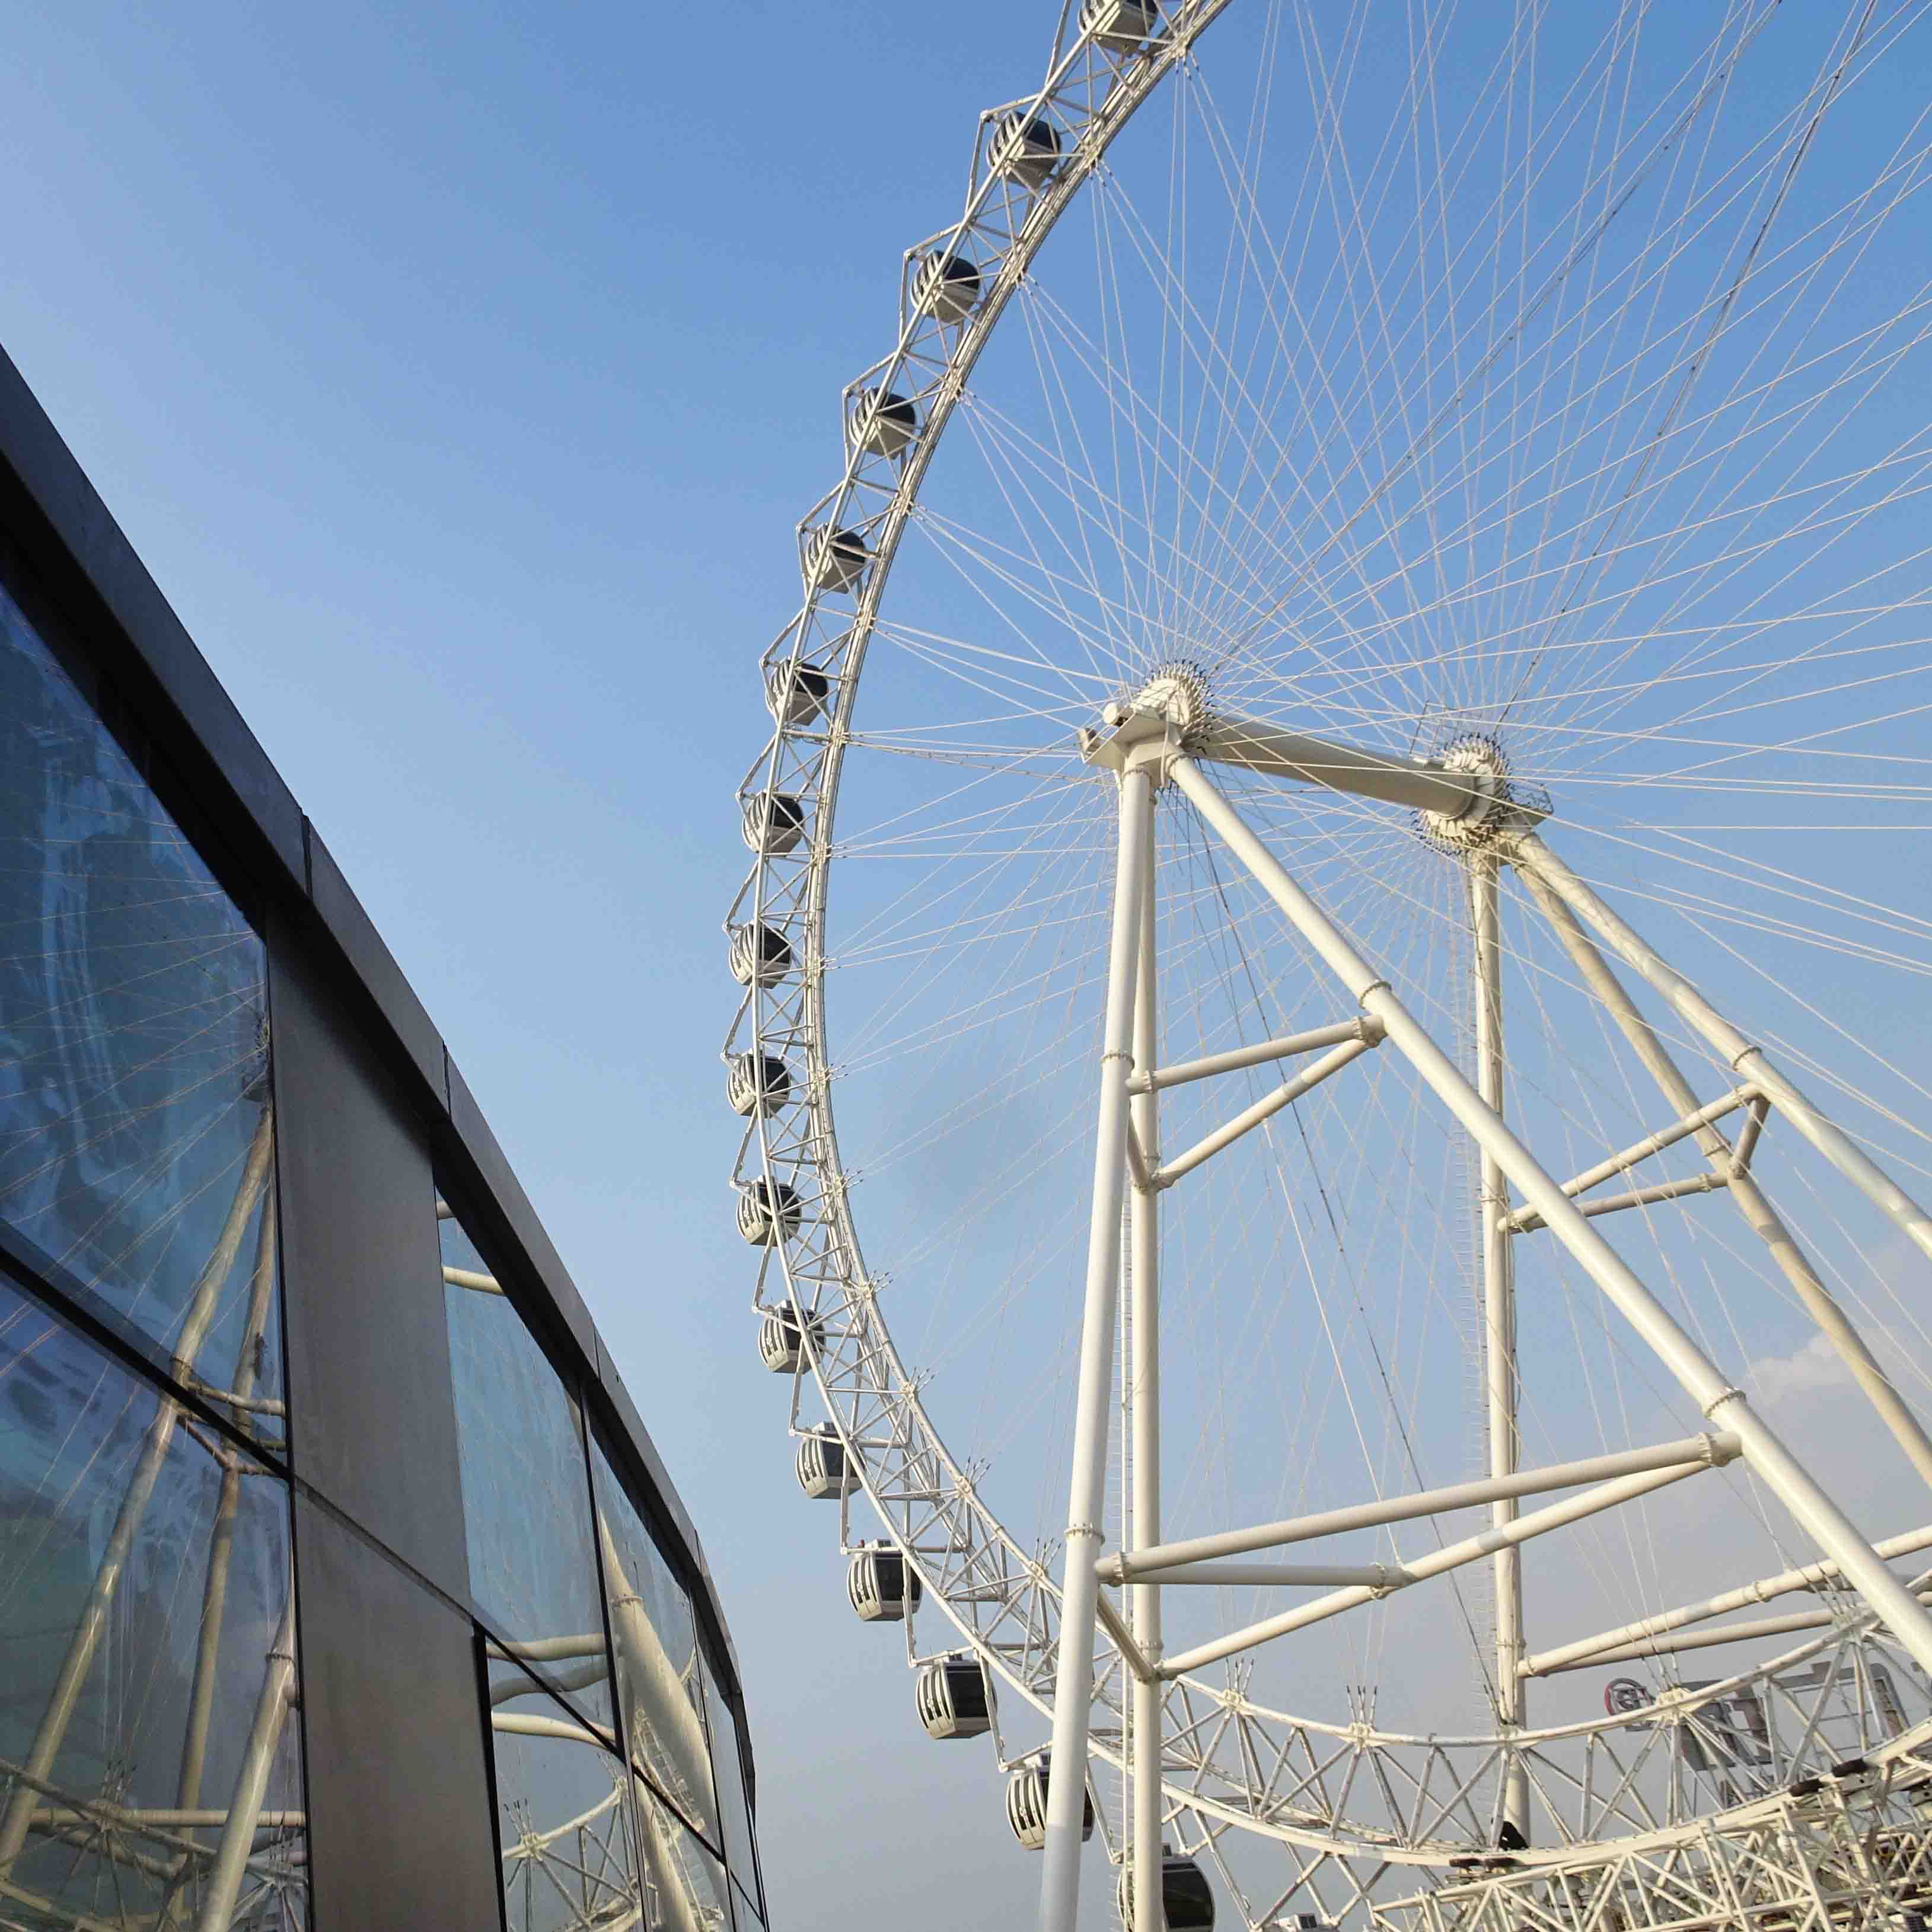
1256 747
1714 1449
1906 1430
1820 1517
1144 1239
1497 1250
1073 1677
1450 1556
1762 1590
1534 859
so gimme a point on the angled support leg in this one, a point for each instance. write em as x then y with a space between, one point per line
1906 1430
1820 1517
1534 859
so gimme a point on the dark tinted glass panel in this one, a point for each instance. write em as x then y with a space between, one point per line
150 1757
734 1813
526 1491
134 1133
659 1672
565 1820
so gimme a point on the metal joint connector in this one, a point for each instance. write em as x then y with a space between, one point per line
1373 986
1370 1030
1729 1393
1084 1529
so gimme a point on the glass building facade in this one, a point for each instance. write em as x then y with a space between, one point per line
340 1585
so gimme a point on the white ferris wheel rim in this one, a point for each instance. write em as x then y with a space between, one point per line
922 1493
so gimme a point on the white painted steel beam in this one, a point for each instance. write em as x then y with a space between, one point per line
1821 1518
1232 1061
1080 1591
1527 1220
1700 1451
1146 1701
1451 1556
1294 1576
1250 1118
1500 1388
1762 1590
1540 874
1421 786
1533 858
1625 1159
1670 1645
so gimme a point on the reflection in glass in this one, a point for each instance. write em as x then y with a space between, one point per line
659 1670
150 1764
134 1044
564 1821
684 1883
731 1805
526 1494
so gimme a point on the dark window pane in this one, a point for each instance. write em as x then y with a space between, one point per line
134 1139
659 1672
731 1805
565 1821
525 1491
150 1757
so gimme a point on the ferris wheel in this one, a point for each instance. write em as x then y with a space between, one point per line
1339 900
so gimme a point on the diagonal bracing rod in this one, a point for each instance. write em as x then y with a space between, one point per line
1906 1430
1534 859
1821 1518
1704 1450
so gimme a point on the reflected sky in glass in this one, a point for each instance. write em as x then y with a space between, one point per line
134 1141
525 1491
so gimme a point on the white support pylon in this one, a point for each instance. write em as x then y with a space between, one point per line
1906 1430
1822 1519
1531 855
1484 873
1144 1241
1073 1676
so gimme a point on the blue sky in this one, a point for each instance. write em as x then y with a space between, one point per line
459 373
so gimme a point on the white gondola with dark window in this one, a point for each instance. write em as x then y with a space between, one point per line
768 1212
1118 24
826 1469
756 1083
795 692
1185 1893
834 559
882 1584
1026 148
946 287
1026 1804
760 955
882 424
955 1700
774 823
782 1338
